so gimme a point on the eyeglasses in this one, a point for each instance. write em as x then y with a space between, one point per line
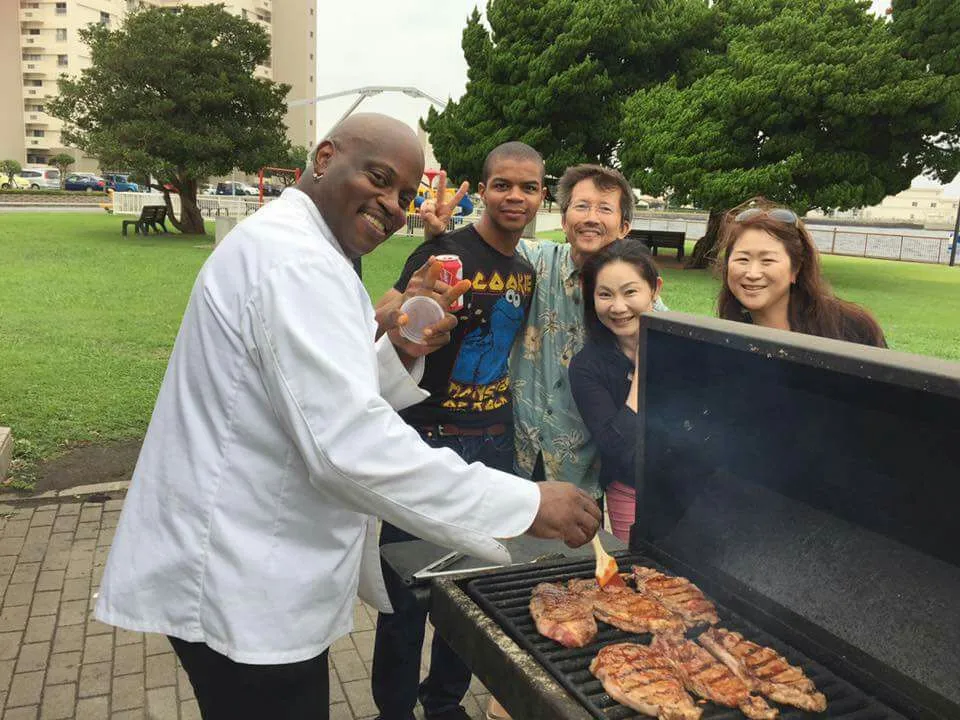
783 215
584 208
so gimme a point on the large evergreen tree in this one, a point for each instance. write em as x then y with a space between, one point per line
172 94
555 74
808 102
929 31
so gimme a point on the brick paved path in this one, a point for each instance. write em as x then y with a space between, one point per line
56 661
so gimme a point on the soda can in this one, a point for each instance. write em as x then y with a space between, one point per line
451 273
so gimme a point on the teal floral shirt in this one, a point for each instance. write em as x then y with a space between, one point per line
545 415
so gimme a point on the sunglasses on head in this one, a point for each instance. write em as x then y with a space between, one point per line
779 214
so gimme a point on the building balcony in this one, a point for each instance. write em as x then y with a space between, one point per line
39 15
46 67
41 143
34 93
35 42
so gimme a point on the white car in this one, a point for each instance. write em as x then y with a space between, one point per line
44 177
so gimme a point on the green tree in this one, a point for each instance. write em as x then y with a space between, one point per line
555 73
62 161
808 102
929 31
10 168
172 95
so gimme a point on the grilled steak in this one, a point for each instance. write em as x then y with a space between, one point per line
625 609
678 594
645 680
763 670
706 676
561 615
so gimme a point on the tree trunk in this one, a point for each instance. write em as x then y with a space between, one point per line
705 251
190 221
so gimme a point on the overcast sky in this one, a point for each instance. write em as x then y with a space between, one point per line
383 42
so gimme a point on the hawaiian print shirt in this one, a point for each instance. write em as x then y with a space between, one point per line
545 415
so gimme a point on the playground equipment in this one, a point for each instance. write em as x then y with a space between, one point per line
284 173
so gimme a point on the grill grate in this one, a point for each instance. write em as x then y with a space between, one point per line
505 596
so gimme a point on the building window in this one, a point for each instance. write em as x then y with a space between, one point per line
33 31
36 133
311 56
36 159
61 34
32 57
62 60
311 33
35 83
104 18
913 204
244 14
61 8
933 205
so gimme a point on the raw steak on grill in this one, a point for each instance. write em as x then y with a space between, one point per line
561 615
678 594
709 678
645 680
763 670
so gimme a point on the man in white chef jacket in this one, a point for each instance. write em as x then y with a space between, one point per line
249 527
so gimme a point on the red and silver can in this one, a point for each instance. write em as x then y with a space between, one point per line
451 273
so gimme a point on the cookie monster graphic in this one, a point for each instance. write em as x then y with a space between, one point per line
485 351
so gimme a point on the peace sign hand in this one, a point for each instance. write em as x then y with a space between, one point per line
436 213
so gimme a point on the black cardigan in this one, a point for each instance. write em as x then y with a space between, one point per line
600 377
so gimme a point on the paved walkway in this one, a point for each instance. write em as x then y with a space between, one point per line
56 661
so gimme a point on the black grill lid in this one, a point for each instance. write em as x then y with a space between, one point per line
820 475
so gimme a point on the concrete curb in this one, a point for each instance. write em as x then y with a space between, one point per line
113 488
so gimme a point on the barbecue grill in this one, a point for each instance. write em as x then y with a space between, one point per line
808 486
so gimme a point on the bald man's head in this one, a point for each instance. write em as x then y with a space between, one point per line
365 175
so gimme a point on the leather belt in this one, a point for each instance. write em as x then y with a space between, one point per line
445 429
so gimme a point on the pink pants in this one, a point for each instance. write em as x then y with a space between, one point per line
622 508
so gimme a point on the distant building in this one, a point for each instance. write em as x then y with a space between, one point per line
39 40
926 206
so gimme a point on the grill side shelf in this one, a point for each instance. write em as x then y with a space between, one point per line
505 597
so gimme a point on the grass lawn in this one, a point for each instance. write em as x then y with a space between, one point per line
88 319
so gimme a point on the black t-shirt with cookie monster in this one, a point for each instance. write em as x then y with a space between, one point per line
467 379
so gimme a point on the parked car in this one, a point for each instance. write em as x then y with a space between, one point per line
236 188
120 183
19 183
85 181
47 178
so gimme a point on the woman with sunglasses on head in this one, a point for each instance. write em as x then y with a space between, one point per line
620 283
772 277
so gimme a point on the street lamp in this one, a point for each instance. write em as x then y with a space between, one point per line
364 93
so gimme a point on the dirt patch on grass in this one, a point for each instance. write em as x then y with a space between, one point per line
88 464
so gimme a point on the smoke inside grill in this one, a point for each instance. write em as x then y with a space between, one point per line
505 596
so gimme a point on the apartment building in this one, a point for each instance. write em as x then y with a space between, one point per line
39 40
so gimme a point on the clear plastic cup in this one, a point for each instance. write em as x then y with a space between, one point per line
421 312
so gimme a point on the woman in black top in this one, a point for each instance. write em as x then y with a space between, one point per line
619 284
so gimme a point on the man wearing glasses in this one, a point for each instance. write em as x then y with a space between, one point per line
596 205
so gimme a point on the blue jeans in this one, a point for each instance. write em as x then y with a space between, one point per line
399 638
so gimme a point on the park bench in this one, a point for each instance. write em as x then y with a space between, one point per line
151 216
654 239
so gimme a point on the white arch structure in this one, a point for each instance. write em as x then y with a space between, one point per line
364 93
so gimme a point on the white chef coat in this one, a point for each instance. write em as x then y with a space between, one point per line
273 443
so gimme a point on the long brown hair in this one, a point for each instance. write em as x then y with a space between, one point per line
813 308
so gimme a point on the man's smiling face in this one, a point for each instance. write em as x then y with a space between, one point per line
367 188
